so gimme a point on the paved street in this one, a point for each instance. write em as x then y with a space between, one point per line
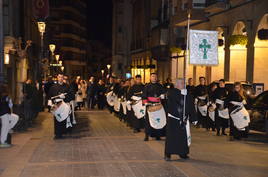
102 146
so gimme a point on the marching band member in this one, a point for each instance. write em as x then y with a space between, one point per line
240 119
8 119
221 113
178 137
211 107
134 95
109 94
155 119
201 100
60 89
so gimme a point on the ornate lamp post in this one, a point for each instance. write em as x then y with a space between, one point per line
42 28
102 72
108 67
52 48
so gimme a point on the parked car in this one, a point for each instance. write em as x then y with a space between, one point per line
258 110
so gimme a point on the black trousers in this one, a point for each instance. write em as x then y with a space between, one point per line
59 127
91 102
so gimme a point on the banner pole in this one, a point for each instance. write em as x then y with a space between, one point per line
185 63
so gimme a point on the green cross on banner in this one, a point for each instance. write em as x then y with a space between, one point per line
205 46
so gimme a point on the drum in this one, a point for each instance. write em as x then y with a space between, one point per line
240 115
203 110
155 107
110 98
157 116
62 111
139 109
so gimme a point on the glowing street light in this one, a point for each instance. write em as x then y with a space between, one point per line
52 48
7 59
57 57
41 28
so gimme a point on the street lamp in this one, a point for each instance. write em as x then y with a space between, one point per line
52 48
7 59
108 67
62 68
102 72
57 58
42 28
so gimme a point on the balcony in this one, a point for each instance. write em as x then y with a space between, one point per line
180 19
236 2
214 6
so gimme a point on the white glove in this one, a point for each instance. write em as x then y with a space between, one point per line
62 96
195 122
162 96
184 92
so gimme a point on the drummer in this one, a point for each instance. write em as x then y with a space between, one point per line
136 90
60 88
153 92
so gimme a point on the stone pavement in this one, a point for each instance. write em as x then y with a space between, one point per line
102 146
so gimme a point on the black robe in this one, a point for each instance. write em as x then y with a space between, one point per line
176 137
201 91
135 90
222 94
57 89
235 96
152 90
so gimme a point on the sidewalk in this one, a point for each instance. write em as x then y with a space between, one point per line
103 146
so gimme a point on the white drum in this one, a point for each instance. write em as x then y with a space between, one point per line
240 118
110 98
139 109
124 106
203 110
62 112
116 104
157 118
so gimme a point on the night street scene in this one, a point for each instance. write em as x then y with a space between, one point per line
134 88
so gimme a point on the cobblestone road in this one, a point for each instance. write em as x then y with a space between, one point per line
102 146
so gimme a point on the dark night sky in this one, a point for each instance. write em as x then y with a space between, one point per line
100 20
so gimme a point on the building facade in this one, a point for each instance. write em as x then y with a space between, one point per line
121 37
243 30
67 29
21 45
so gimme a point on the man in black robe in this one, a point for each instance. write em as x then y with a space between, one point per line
152 94
60 88
136 90
92 93
110 88
221 112
201 97
190 87
176 136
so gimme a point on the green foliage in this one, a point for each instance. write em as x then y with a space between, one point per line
175 50
238 40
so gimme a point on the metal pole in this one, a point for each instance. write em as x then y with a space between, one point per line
185 61
2 75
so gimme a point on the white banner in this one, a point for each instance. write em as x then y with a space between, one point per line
203 47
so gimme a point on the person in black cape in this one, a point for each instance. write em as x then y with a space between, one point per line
101 94
176 135
153 92
136 90
237 95
60 88
221 93
201 96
